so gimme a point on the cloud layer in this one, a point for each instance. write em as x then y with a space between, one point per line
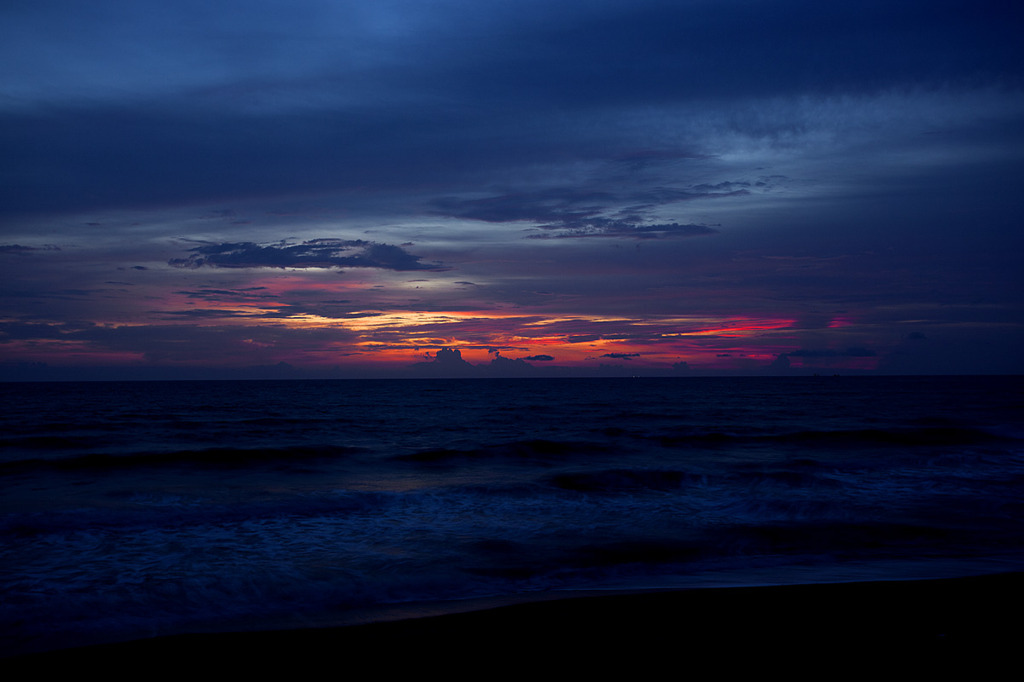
316 253
657 186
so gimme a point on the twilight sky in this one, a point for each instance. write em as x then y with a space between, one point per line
345 188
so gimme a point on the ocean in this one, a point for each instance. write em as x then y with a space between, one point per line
136 509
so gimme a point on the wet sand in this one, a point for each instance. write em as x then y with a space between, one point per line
969 624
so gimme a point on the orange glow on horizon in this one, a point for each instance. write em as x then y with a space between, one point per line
262 332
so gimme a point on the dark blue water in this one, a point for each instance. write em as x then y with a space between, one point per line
135 509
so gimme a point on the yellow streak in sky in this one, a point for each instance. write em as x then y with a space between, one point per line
369 320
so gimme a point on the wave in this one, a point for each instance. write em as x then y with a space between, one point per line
217 457
903 437
624 480
535 449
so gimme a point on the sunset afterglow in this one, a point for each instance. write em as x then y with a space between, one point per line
638 188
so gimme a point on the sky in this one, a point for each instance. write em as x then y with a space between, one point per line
331 188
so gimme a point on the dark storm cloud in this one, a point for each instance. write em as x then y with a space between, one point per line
318 253
450 103
70 157
594 55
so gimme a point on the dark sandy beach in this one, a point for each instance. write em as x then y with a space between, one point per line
968 624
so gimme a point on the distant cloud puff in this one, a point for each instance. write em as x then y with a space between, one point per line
22 250
316 253
540 358
446 362
619 228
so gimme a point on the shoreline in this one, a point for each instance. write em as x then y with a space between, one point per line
931 622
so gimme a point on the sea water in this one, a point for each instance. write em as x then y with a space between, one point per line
142 508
